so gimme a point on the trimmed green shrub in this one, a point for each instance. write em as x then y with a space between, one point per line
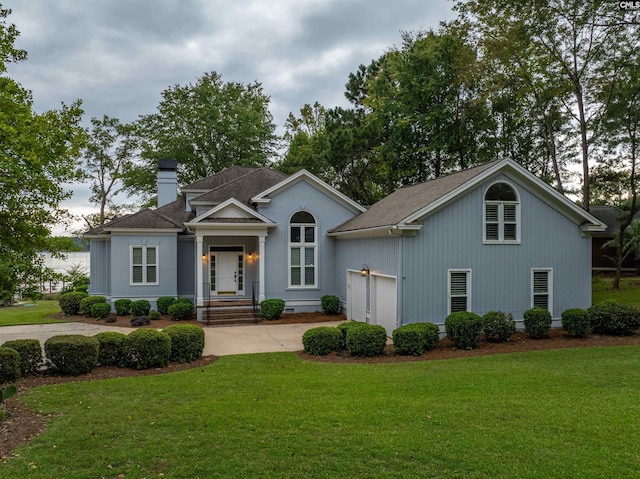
343 328
366 339
187 342
140 307
498 325
182 300
463 329
139 321
88 302
122 306
416 338
271 309
111 348
70 302
146 348
30 352
576 322
9 365
611 317
100 310
164 302
154 315
330 304
83 288
537 322
72 354
180 310
322 340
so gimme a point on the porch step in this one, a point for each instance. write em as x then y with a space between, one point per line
225 313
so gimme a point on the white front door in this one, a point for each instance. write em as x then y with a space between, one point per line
227 273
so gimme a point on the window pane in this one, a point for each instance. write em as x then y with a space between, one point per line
303 217
213 273
295 256
510 232
137 255
510 213
295 234
500 192
151 255
151 274
295 276
492 231
309 276
458 304
309 236
491 213
540 282
541 301
309 256
458 283
137 274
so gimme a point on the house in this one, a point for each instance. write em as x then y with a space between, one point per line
600 259
243 233
493 237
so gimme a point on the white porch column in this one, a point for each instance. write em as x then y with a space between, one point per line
261 262
199 268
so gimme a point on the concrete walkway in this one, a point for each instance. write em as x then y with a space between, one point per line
220 341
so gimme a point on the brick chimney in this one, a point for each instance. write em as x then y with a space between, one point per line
167 182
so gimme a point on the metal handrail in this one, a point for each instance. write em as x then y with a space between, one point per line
254 301
207 299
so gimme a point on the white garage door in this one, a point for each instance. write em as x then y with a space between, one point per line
384 302
356 296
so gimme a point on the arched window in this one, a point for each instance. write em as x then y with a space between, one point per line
302 250
501 214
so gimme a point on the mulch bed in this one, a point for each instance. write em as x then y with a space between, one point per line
21 424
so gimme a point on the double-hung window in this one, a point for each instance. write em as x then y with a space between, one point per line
542 288
501 215
459 290
144 265
302 250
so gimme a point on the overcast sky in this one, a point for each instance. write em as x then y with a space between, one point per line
118 56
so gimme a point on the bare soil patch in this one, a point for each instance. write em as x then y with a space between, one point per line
21 424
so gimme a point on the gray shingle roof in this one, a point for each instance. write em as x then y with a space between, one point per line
404 202
609 215
243 187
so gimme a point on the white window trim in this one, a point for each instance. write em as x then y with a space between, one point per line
469 283
144 265
303 245
550 286
501 204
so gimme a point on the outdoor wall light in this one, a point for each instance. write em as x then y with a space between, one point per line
204 257
250 256
364 270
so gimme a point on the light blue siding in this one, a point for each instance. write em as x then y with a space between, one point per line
186 283
328 213
100 260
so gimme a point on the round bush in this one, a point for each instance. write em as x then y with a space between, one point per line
72 354
330 304
416 338
498 325
576 322
146 348
180 310
9 365
140 307
153 315
611 317
537 322
30 352
100 310
111 348
70 302
366 339
187 342
88 302
322 340
122 306
164 302
463 329
343 328
271 309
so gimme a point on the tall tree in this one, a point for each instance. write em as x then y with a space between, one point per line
206 126
38 154
565 43
109 153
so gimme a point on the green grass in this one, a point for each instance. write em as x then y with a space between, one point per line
563 413
21 315
629 292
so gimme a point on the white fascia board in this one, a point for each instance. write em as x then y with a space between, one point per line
145 231
293 179
221 206
377 231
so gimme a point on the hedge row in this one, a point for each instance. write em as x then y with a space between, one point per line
74 354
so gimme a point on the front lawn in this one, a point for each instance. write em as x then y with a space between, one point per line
39 314
563 413
629 292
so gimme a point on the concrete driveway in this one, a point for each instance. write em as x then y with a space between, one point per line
220 341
